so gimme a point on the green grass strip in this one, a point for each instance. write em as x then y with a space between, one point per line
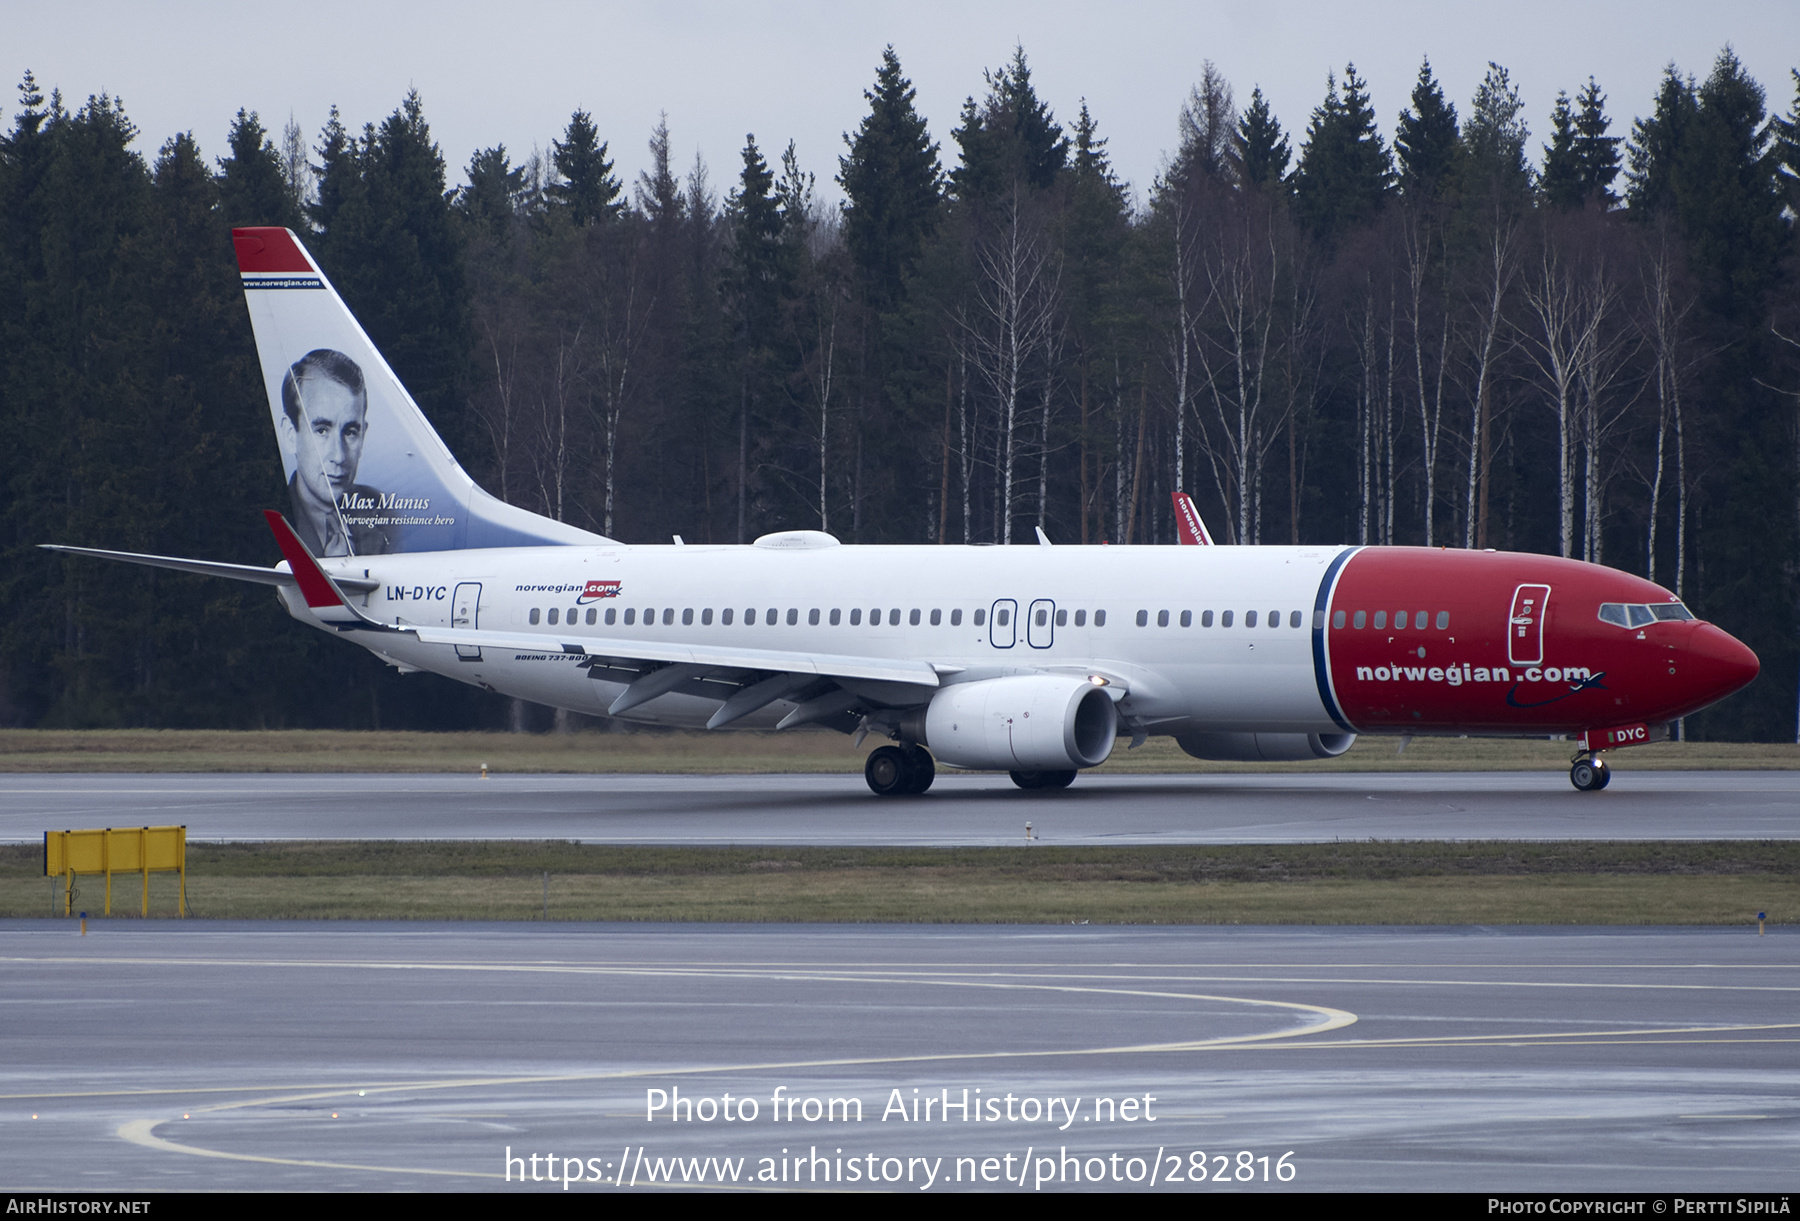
1714 882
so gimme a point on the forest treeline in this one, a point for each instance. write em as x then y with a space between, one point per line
1583 342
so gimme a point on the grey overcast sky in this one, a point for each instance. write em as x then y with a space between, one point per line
511 73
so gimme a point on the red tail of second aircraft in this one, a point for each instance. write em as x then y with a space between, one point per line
1192 531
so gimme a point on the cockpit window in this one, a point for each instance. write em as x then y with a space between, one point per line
1630 615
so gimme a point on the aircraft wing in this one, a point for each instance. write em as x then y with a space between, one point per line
722 657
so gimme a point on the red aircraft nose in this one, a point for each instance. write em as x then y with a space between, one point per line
1717 664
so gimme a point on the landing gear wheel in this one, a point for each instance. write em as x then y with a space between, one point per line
921 769
1590 775
1043 780
886 771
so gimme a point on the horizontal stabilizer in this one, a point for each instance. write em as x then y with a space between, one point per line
207 568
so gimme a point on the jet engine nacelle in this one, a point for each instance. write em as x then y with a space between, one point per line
1032 722
1264 747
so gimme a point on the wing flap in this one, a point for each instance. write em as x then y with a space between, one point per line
774 661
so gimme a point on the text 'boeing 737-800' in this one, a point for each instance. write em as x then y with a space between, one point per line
1032 660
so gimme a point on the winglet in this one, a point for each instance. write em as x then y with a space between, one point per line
315 586
1190 529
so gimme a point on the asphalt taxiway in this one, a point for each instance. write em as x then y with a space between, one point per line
162 1056
959 809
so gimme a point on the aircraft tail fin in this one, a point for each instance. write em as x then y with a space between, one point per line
367 473
1191 529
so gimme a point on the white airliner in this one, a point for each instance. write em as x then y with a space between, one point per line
1032 660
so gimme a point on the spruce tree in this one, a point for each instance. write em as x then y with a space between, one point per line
1596 152
491 199
1345 170
588 191
1651 155
893 186
1263 151
253 188
1427 140
1010 139
1561 181
1729 195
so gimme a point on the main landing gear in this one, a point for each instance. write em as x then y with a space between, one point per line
1589 773
896 770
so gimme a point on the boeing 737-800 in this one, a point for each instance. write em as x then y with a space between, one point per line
1032 660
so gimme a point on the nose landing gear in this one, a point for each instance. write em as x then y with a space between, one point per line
1589 773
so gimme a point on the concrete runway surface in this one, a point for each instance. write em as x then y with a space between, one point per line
160 1056
959 809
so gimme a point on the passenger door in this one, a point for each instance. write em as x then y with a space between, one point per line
1525 626
1003 629
1040 624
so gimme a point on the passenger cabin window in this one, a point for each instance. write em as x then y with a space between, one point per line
812 617
1274 618
1337 619
956 617
1294 619
937 617
1187 618
1443 620
912 619
856 616
573 616
894 617
630 615
1043 617
706 617
980 617
749 616
1399 621
1224 618
1360 620
612 615
534 616
1381 619
1205 618
1080 618
1143 618
1062 618
793 616
1162 618
773 617
725 616
1099 618
552 616
687 617
1249 618
836 616
1003 616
